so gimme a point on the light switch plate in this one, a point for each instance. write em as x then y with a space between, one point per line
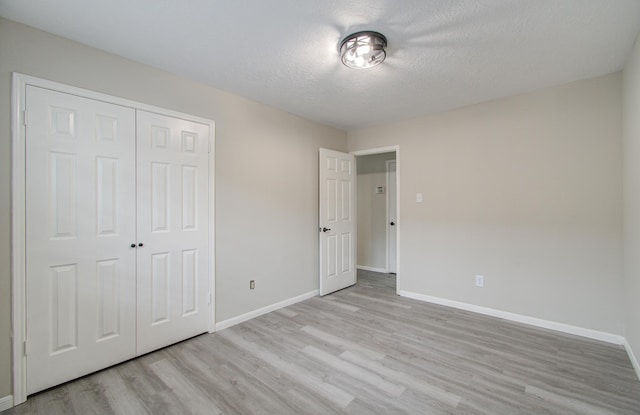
418 197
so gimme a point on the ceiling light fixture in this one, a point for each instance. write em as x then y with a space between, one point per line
363 49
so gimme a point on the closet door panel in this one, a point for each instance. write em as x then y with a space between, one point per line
173 203
80 223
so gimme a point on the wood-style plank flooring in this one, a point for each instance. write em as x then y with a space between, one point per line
362 350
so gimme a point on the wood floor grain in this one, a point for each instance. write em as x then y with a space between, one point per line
362 350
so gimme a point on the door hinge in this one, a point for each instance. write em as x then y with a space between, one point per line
210 298
24 348
25 117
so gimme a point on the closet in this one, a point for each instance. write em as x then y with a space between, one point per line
117 233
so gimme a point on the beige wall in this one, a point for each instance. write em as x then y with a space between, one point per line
372 210
525 191
266 171
632 198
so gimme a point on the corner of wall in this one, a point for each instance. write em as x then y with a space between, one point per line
631 205
632 357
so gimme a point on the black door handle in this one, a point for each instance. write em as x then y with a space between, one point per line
325 229
393 223
133 245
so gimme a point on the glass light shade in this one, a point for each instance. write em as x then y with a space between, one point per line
363 49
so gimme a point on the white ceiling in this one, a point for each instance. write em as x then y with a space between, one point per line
442 54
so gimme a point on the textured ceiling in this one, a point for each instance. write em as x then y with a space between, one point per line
442 54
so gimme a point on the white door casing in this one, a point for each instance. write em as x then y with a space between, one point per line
173 228
392 149
337 221
392 217
80 222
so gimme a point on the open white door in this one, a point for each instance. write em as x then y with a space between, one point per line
337 220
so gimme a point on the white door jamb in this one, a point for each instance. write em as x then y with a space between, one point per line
379 150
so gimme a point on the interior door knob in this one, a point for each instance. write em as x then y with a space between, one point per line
393 223
140 244
325 229
133 245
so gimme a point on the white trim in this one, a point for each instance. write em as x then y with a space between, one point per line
380 150
374 269
386 215
377 150
632 357
264 310
18 238
98 96
387 226
398 221
18 188
212 226
532 321
6 403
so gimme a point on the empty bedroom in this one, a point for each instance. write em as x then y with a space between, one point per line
303 207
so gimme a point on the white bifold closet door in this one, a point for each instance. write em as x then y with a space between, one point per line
173 223
112 271
80 201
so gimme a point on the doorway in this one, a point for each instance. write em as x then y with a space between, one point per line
377 207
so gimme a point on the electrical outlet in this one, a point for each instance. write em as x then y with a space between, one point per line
252 284
479 281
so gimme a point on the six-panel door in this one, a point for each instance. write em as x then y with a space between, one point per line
173 226
337 220
80 200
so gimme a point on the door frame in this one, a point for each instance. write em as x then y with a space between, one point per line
380 150
18 205
387 227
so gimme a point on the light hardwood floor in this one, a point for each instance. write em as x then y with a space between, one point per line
362 350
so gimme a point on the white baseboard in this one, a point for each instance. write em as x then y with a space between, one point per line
533 321
264 310
366 268
632 357
6 403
